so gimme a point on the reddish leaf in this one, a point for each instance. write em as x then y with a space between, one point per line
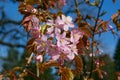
116 20
82 45
31 46
48 4
89 17
23 74
114 16
16 69
44 66
99 71
86 29
26 9
66 73
101 62
79 65
102 25
29 22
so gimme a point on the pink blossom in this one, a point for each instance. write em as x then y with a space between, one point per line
63 52
75 36
109 26
44 38
97 62
51 28
101 76
39 58
64 22
74 49
105 73
91 54
99 51
43 44
35 21
58 53
65 49
54 52
62 40
71 56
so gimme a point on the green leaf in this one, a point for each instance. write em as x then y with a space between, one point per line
44 28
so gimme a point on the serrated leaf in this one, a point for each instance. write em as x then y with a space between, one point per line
116 20
45 65
86 29
83 43
31 46
25 9
102 25
79 65
50 63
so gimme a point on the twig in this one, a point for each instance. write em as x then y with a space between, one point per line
98 15
30 58
77 9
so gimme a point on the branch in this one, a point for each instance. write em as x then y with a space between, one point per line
96 22
2 22
11 45
10 31
77 9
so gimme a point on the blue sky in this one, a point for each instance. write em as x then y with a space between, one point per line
107 39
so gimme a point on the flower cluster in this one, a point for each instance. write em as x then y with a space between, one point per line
58 38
